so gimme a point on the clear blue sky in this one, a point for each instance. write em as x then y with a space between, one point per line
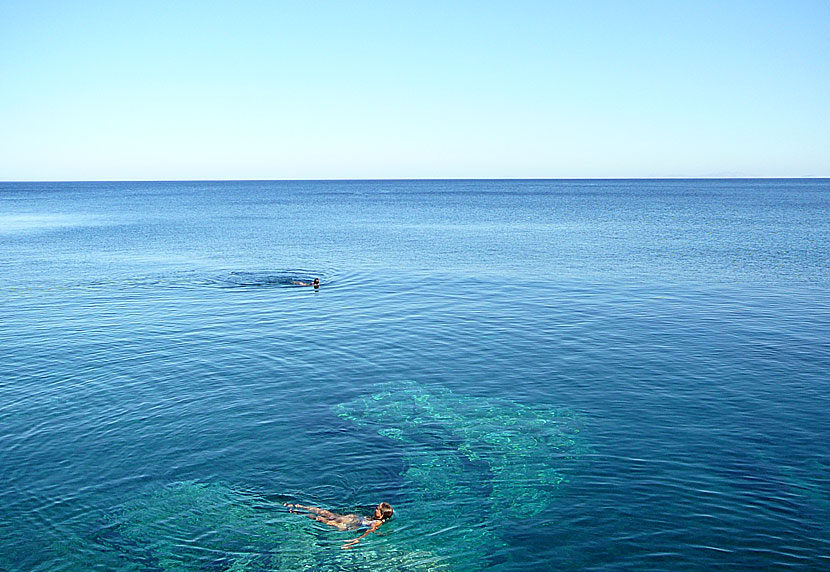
286 90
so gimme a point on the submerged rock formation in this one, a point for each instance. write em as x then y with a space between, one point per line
196 526
471 466
450 441
471 463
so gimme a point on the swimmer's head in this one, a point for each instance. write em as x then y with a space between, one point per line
316 282
383 511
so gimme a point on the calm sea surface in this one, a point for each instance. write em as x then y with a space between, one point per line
537 375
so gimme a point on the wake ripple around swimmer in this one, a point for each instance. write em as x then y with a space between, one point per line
264 279
224 279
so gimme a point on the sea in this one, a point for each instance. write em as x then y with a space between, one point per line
599 375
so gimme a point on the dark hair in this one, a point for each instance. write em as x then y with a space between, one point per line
385 510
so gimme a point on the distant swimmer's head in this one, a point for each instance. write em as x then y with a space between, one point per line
316 282
383 511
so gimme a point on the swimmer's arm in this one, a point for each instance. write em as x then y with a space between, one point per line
353 542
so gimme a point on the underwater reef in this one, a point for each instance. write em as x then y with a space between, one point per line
510 448
194 526
482 461
470 466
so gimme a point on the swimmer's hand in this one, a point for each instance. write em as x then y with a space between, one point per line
353 542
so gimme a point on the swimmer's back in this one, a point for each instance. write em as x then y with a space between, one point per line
354 521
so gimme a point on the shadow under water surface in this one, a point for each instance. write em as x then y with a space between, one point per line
284 279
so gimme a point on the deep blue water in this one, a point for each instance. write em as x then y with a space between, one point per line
549 375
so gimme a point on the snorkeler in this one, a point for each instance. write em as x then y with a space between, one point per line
315 283
382 513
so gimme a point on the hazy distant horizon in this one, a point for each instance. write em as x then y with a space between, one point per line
357 180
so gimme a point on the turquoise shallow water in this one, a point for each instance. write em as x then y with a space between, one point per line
557 375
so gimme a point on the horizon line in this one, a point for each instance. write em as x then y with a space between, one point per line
381 179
